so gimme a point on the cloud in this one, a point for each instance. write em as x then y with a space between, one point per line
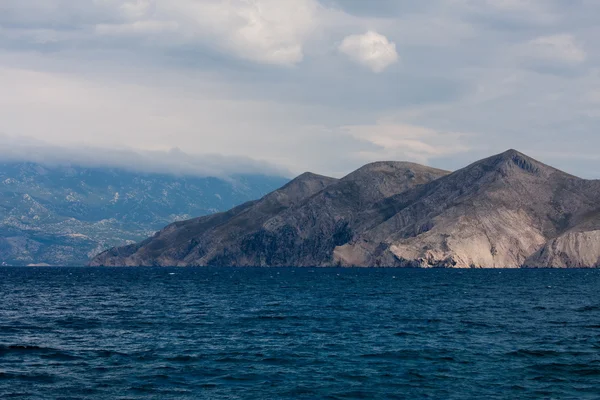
508 14
269 78
137 28
68 14
201 113
133 9
265 31
173 161
555 49
408 142
371 49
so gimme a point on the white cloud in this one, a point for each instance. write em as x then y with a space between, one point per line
264 31
133 9
371 49
200 113
399 141
561 49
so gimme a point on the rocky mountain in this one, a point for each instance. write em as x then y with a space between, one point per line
62 215
506 211
299 224
495 213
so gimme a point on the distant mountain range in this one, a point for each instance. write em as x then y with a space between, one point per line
506 211
61 215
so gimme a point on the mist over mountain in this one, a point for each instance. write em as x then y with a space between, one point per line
174 161
63 215
506 211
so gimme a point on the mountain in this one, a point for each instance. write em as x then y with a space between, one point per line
299 224
494 213
506 211
61 215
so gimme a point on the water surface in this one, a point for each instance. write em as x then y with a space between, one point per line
154 333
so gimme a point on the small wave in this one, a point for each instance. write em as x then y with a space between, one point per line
475 323
143 389
60 356
533 353
23 349
355 394
588 308
571 369
11 329
109 354
276 317
241 377
78 323
404 334
208 385
37 378
407 355
353 377
232 360
277 360
417 375
184 359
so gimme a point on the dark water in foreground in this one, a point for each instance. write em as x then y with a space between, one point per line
293 333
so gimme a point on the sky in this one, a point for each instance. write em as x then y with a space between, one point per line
297 85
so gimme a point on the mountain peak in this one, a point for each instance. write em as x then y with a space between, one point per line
301 187
393 167
524 162
512 153
309 178
514 162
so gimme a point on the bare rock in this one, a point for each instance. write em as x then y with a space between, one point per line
505 211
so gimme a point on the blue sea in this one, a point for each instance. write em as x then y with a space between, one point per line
225 333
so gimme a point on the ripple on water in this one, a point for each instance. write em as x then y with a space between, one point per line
294 333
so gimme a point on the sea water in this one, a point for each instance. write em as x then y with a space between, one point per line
226 333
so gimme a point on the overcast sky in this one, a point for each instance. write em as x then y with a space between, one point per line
325 85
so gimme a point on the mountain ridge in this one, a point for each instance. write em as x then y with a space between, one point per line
498 212
63 215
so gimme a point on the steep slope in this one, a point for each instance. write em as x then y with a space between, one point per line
208 238
62 215
494 213
579 247
506 211
303 232
307 235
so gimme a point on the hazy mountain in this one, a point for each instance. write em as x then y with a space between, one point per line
64 215
506 211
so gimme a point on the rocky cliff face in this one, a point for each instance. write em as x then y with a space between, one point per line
506 211
494 213
579 247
